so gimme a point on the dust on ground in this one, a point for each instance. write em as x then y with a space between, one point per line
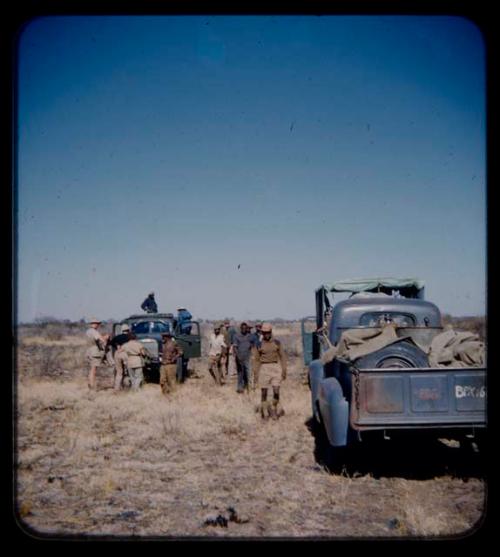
202 463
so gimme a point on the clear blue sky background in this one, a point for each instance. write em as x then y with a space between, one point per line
159 153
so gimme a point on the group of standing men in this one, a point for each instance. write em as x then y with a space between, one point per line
259 358
129 358
129 355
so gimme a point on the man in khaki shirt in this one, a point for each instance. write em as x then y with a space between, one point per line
135 361
171 352
270 371
216 351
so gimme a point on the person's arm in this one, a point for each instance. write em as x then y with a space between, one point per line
234 346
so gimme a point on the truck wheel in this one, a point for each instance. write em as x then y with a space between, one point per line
401 355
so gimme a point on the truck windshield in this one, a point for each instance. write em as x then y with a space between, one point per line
160 327
146 327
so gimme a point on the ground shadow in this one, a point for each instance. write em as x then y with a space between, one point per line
409 456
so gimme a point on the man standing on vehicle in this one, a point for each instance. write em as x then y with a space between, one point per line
120 356
243 342
136 353
270 371
171 352
216 350
149 304
95 351
183 319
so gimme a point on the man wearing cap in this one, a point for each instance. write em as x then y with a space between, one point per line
242 345
183 319
96 351
120 356
135 360
149 304
216 349
171 352
270 371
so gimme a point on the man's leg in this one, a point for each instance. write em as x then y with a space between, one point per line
171 370
277 409
211 367
219 369
136 377
240 371
92 376
118 370
163 380
264 405
133 380
179 371
109 358
140 375
246 374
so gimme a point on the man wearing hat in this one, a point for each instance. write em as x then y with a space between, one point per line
96 351
171 352
270 371
149 304
120 356
183 319
216 349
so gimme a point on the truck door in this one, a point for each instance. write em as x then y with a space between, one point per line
310 343
189 338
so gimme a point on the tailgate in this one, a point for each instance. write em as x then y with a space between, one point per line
418 397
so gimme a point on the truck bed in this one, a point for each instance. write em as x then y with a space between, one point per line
395 397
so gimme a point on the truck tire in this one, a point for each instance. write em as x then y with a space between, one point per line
400 354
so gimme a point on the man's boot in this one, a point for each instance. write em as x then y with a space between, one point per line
264 405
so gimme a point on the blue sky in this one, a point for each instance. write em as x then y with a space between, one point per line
159 153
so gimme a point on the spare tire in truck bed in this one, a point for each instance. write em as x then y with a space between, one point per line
401 354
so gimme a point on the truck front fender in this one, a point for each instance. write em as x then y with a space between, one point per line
334 410
316 374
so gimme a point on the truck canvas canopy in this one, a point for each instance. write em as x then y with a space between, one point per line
408 287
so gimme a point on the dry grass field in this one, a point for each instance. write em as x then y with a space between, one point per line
139 464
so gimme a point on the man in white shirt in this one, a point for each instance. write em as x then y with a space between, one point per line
216 350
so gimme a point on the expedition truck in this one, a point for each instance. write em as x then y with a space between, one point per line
148 328
393 390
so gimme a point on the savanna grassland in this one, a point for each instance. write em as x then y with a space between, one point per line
141 464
